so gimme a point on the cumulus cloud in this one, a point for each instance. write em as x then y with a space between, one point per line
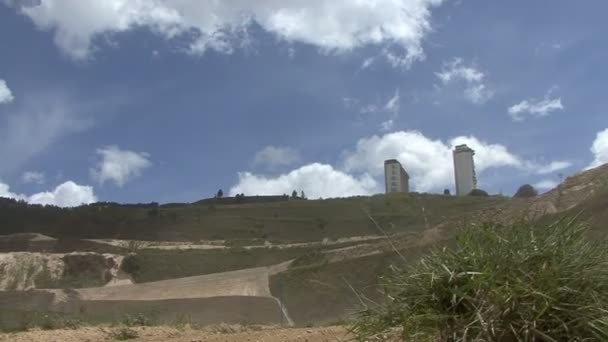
536 108
316 180
33 177
546 184
456 71
599 149
428 161
68 194
274 156
337 25
119 166
6 95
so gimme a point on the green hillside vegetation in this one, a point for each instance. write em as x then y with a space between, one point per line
152 265
293 221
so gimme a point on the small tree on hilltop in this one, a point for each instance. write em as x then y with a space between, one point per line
479 193
220 194
526 191
294 194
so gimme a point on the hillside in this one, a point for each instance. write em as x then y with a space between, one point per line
294 262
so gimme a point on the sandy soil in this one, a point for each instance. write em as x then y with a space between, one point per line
93 334
247 282
18 270
220 244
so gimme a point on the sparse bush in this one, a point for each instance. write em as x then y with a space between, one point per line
122 334
138 320
223 328
502 283
478 192
526 191
182 320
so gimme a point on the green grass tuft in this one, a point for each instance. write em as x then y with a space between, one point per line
520 282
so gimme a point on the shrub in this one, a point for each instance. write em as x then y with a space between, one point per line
526 191
478 192
123 334
131 264
502 283
138 320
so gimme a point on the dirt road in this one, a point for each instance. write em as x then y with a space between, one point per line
147 334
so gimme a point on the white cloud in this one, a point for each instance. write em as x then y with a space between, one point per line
349 102
316 180
119 166
33 177
456 71
370 108
367 63
68 194
337 25
599 149
429 162
478 93
5 192
549 168
37 122
534 107
6 95
273 156
387 125
546 184
393 104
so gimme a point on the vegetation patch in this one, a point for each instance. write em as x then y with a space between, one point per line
521 282
152 265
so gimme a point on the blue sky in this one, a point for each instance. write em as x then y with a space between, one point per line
168 101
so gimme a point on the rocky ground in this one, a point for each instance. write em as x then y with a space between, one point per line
217 334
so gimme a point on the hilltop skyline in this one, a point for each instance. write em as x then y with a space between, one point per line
153 100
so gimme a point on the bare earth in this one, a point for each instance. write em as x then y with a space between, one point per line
93 334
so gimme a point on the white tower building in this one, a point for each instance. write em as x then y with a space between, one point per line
464 170
396 179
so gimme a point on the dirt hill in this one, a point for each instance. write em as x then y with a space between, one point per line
300 262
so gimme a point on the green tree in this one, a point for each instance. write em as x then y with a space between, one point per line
526 191
478 192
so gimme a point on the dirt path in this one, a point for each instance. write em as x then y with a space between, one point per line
220 244
94 334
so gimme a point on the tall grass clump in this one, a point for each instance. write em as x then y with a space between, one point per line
519 282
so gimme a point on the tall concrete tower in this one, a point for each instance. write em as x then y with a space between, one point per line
464 170
396 179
